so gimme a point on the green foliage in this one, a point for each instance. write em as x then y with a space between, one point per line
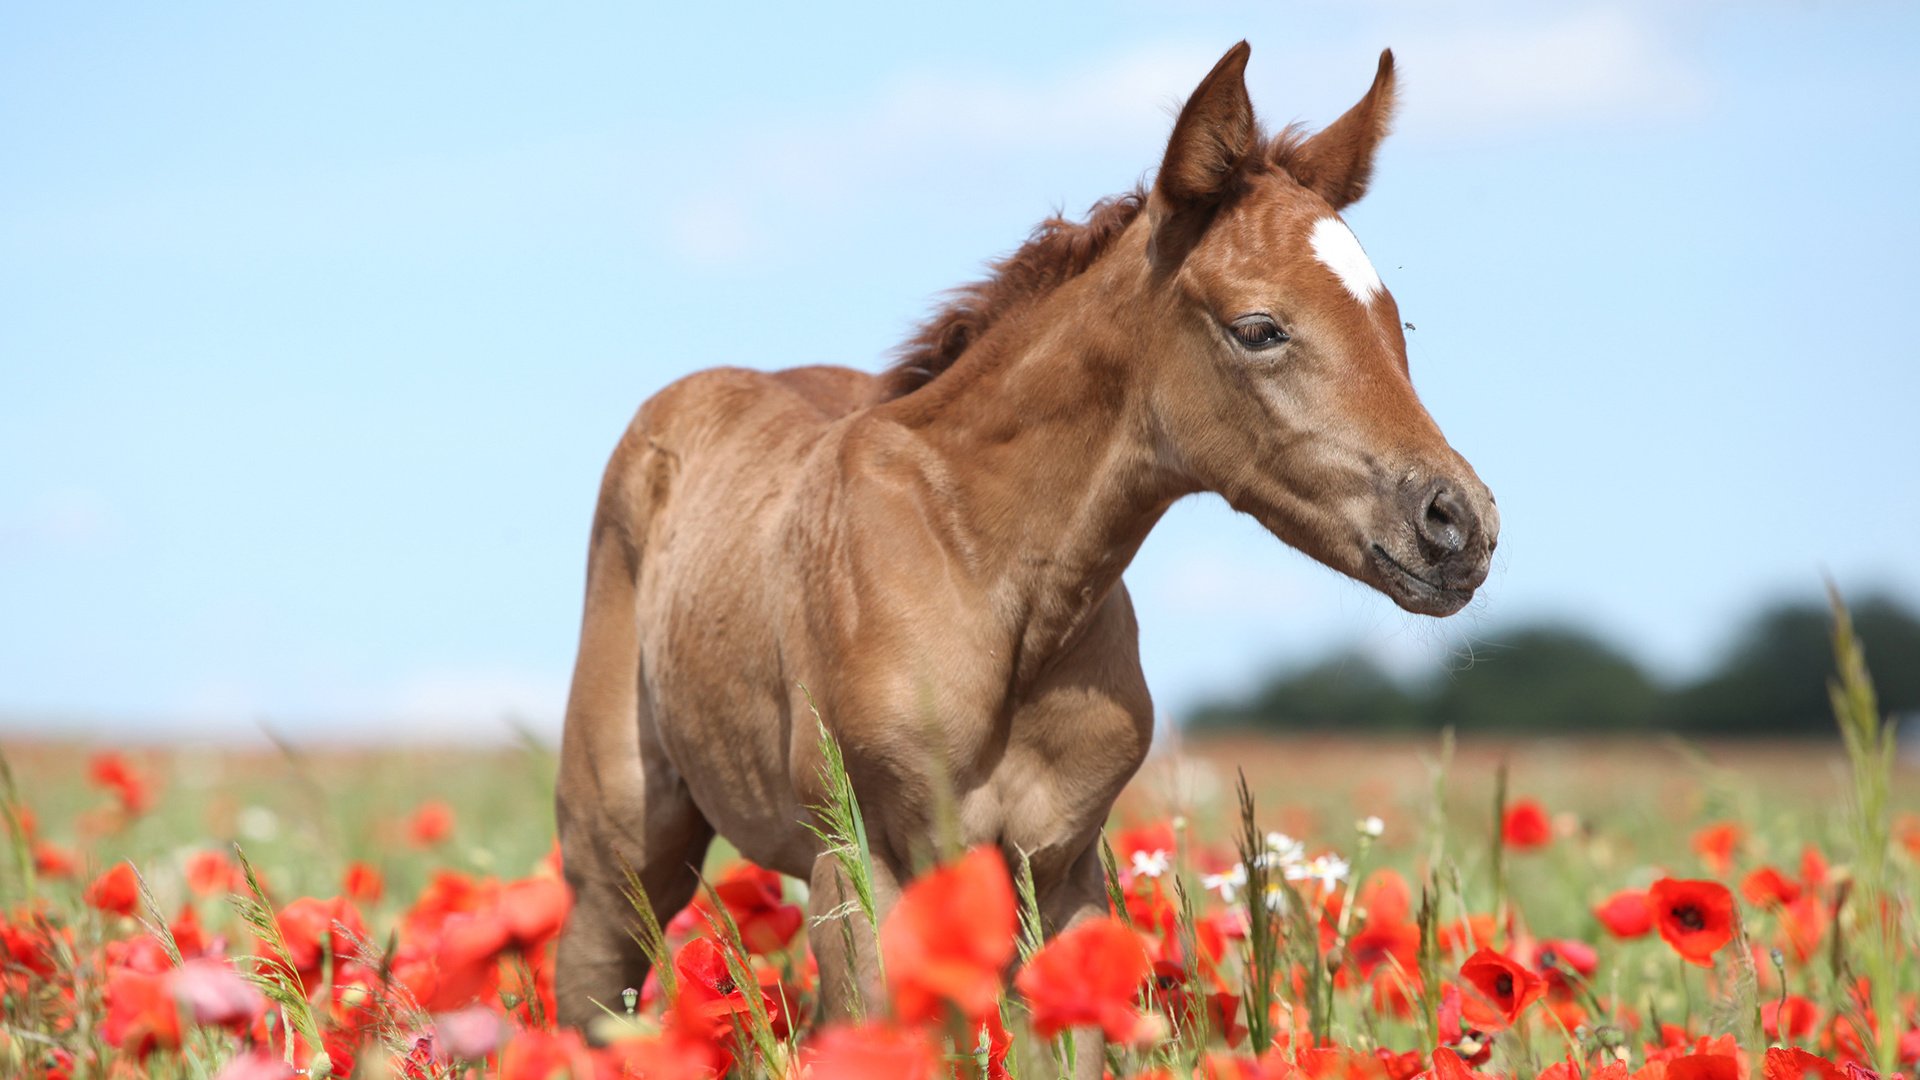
1774 680
1555 677
1336 694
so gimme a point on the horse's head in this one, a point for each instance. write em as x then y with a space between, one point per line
1279 366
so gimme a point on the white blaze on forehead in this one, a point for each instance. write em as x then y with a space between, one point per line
1335 245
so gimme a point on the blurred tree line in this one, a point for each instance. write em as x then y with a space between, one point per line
1558 677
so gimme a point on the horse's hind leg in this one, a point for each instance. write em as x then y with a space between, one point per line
649 829
620 805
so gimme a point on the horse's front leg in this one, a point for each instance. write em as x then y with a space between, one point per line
1080 896
851 983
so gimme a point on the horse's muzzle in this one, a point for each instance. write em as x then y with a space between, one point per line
1453 527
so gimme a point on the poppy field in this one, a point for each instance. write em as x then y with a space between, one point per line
1390 910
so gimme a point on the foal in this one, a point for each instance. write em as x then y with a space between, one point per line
936 552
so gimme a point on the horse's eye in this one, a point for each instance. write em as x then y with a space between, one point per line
1258 332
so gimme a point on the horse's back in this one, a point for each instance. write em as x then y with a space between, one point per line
721 452
730 403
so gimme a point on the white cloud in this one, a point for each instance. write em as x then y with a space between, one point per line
1487 75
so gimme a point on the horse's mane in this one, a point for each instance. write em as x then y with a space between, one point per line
1056 251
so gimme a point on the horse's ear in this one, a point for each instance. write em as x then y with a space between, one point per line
1337 162
1213 137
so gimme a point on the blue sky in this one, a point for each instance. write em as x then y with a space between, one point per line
316 325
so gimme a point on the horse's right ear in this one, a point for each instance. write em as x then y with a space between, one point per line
1214 135
1211 142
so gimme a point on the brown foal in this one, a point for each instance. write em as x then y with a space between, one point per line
935 553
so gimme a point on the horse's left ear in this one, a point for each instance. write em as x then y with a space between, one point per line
1338 161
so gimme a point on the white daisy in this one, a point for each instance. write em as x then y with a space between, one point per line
1285 849
1325 869
1229 884
1151 863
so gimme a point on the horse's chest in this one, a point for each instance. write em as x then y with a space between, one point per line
1056 783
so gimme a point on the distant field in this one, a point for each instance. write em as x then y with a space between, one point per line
307 812
331 804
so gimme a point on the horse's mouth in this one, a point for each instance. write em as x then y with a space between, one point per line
1416 593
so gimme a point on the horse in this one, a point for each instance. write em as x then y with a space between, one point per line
931 557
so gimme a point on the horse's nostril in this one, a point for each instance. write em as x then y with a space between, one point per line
1444 523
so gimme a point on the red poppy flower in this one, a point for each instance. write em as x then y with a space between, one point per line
1188 1007
667 1056
1090 974
1767 887
542 1055
1526 827
874 1051
1380 941
712 1008
211 873
755 899
188 935
1387 897
142 952
116 892
314 928
142 1015
1813 867
1448 1066
449 893
1508 986
1716 844
1792 1017
50 860
1404 1065
111 771
1564 1069
1471 932
1553 958
534 909
1454 1024
950 938
430 824
1143 840
1626 914
1704 1066
1695 917
363 882
29 946
1797 1064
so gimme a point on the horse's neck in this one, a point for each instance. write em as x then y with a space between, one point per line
1049 464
